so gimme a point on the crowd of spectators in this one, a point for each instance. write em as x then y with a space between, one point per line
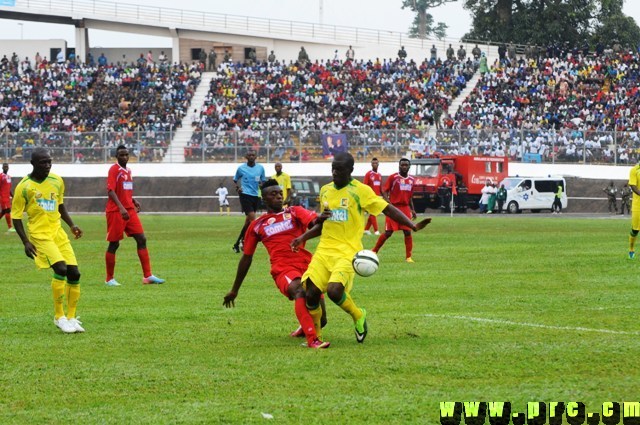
83 110
566 107
544 105
330 96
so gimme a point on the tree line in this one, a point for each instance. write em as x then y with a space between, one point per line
535 22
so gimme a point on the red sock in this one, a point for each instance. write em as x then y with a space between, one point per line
381 240
143 255
110 260
408 245
305 320
372 222
8 218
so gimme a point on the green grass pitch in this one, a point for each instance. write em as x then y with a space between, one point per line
511 308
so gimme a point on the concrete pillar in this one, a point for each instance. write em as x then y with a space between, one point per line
82 43
175 45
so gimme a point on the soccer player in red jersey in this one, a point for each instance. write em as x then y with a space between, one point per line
122 217
276 229
6 195
373 179
398 190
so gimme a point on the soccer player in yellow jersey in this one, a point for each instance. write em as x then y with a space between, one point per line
284 181
634 178
330 270
41 196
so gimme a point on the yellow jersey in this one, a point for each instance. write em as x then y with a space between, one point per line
40 200
342 233
634 179
284 180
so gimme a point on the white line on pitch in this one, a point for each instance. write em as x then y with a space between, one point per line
530 325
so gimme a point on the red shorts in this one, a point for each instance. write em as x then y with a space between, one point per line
285 275
117 226
393 225
5 204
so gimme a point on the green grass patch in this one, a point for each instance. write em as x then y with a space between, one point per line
495 308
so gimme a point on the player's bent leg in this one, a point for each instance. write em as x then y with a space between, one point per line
145 260
58 289
110 263
408 245
295 292
346 303
312 298
343 300
141 240
323 319
632 243
302 313
382 239
72 293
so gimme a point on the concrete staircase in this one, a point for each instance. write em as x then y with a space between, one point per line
471 84
182 136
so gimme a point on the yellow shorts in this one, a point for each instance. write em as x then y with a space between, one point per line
635 220
51 251
327 268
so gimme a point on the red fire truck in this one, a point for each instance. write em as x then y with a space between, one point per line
438 178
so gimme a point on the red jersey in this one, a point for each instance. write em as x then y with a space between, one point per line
276 231
373 179
400 188
5 186
120 181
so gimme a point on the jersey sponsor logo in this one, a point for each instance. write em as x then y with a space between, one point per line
46 204
339 215
127 185
376 183
406 187
275 228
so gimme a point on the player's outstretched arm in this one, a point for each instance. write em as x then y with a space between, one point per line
29 249
423 223
313 232
241 273
399 217
64 214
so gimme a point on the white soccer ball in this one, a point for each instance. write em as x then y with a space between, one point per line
365 263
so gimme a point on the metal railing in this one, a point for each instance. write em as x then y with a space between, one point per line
520 145
172 17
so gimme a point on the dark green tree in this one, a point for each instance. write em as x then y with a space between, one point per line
545 22
423 25
614 26
438 30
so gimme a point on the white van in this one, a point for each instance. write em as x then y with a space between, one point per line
533 193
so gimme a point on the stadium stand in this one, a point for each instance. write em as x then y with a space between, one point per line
82 112
331 96
567 107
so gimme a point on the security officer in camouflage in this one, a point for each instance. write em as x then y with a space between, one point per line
612 192
625 202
